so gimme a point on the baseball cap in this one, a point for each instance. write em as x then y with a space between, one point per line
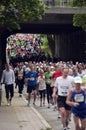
77 80
52 67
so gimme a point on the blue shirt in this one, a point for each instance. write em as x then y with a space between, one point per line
32 75
80 98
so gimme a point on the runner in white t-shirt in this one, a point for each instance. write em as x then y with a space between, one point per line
42 87
63 84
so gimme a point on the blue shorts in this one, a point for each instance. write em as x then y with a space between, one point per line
80 113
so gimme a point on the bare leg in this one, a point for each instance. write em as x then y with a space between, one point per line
35 92
63 116
83 124
29 96
76 122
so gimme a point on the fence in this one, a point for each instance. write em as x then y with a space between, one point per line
64 3
58 3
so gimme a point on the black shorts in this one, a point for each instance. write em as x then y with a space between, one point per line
42 93
61 101
31 88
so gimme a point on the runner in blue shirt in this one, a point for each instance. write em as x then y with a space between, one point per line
31 78
77 99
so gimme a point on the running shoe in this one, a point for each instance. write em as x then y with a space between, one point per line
8 104
59 115
28 104
67 125
65 128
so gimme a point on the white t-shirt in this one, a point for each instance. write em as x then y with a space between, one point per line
64 85
42 85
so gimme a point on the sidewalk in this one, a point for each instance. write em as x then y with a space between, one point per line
19 116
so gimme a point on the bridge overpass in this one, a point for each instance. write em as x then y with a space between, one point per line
54 20
62 3
66 10
59 21
70 41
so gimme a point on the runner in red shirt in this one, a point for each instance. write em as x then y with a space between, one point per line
57 73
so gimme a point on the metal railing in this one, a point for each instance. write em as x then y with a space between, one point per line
58 3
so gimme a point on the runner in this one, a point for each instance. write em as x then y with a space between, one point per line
42 87
20 79
77 99
8 78
31 78
63 84
49 91
57 73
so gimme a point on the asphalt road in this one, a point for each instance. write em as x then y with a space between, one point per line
51 116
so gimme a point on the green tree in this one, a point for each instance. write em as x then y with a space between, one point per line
79 20
79 3
46 46
12 12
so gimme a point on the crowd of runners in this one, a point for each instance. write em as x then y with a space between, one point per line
25 47
63 84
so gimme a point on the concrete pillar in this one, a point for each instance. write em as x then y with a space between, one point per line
57 45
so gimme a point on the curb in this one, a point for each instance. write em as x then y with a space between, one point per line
47 125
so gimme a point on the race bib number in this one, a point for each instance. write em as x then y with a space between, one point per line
32 79
64 90
48 80
79 98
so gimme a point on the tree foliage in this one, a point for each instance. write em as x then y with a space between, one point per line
79 3
79 20
12 12
45 46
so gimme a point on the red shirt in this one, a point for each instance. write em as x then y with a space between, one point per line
56 74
